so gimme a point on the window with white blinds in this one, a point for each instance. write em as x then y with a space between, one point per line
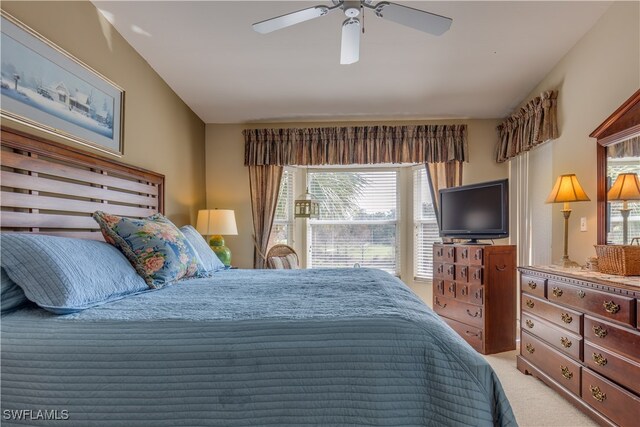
425 226
282 231
358 223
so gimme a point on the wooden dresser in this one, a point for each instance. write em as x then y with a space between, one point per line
474 291
580 336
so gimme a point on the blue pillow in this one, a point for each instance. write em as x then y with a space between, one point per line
12 296
155 247
209 259
65 275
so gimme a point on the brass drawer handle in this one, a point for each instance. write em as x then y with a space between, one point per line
530 303
597 394
532 284
529 323
599 359
566 318
566 372
531 349
451 288
476 314
440 305
581 293
599 331
557 292
473 334
611 307
566 342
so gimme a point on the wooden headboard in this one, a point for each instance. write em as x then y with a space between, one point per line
51 188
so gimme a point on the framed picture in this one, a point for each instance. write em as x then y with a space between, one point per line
46 88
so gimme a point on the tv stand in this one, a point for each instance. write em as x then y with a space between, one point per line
474 291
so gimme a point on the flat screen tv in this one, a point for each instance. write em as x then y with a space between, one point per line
477 211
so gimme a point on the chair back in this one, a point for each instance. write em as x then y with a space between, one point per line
282 257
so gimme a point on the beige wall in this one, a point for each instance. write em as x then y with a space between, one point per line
228 180
161 133
597 75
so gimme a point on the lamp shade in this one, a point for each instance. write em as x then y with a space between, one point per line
216 222
567 189
626 187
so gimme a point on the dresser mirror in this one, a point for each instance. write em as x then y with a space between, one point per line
618 154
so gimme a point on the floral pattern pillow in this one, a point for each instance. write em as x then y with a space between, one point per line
156 248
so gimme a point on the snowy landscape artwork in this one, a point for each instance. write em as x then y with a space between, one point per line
45 87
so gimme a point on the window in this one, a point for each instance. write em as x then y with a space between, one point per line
282 231
425 226
358 221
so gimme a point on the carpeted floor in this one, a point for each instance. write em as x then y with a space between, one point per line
533 403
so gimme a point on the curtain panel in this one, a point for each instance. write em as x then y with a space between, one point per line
358 145
535 123
264 184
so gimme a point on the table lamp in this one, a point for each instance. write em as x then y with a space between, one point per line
215 223
625 188
567 189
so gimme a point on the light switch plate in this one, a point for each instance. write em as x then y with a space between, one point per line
583 223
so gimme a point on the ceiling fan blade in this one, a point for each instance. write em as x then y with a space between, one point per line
350 49
290 19
414 18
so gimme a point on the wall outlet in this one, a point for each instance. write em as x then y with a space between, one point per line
583 223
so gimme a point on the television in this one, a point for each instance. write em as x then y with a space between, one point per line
477 211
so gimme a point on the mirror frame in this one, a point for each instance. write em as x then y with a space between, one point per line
623 124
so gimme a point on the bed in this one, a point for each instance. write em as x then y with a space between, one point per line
243 347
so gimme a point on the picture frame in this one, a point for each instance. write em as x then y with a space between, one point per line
45 87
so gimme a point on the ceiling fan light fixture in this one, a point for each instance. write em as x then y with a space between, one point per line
350 47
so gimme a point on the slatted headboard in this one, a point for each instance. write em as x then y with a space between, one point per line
51 188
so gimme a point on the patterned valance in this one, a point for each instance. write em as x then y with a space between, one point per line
627 148
355 145
534 124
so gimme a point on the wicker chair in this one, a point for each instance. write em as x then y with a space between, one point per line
282 257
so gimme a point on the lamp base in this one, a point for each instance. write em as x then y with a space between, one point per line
565 262
216 243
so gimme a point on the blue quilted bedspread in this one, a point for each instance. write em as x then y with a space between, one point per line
251 348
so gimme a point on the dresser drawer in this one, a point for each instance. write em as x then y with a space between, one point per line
471 334
462 254
473 294
620 369
475 255
449 289
533 285
561 316
619 405
460 311
449 254
475 275
438 270
558 366
624 341
462 273
438 253
449 272
438 287
559 338
610 306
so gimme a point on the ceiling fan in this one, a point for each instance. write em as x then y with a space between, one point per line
350 48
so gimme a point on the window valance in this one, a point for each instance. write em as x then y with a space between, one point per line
356 145
628 148
534 124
